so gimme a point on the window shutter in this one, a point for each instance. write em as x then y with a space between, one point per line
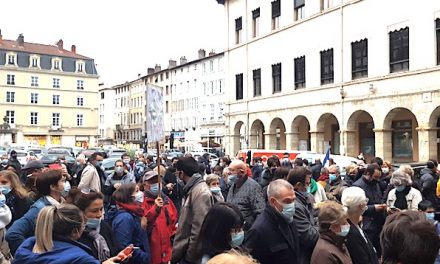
238 24
299 3
256 13
276 8
437 23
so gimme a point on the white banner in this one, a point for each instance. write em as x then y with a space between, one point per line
155 114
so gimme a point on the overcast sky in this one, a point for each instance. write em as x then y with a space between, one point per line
124 37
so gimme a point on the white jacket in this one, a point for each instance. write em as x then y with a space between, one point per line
90 178
413 198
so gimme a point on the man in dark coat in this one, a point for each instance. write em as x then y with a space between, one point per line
316 169
13 161
428 182
273 238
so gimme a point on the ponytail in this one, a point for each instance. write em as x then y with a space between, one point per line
44 230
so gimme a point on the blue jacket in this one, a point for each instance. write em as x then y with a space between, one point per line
25 226
127 230
63 252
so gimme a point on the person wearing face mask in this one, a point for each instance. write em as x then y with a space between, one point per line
268 173
49 185
333 228
118 177
274 238
5 219
336 184
403 196
171 187
359 246
97 235
92 174
13 161
374 216
213 182
219 236
300 178
161 217
57 231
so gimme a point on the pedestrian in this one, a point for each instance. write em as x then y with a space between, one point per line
300 178
336 184
359 246
161 217
428 181
408 238
219 236
268 173
49 186
13 161
97 235
403 196
57 231
316 169
171 187
351 172
245 193
257 168
317 191
31 167
273 238
126 223
91 176
5 219
333 229
198 201
213 182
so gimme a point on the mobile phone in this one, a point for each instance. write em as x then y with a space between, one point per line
127 251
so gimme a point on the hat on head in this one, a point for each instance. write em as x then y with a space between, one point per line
150 175
33 164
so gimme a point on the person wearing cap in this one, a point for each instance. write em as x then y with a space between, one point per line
31 167
333 229
161 218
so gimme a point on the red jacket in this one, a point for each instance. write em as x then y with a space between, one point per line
160 228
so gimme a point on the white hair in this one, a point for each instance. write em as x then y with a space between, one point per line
275 186
352 197
400 177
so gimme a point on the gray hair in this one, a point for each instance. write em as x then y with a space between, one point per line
352 197
274 187
334 167
407 169
211 177
400 177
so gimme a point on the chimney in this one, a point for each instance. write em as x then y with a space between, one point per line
139 75
211 53
60 44
157 68
73 49
202 53
183 60
172 63
150 70
20 40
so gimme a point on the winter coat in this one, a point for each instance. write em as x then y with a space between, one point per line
316 170
428 180
272 240
249 199
413 198
108 188
65 251
305 223
198 201
90 178
335 188
19 206
107 233
176 194
25 227
266 177
127 229
257 170
330 249
161 227
360 248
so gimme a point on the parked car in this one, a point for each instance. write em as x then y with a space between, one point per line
77 150
341 161
68 149
213 158
416 166
173 153
113 153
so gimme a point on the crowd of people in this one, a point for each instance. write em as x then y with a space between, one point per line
185 211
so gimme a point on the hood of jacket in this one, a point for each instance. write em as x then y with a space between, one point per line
425 171
195 179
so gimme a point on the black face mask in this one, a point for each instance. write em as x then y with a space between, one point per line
14 156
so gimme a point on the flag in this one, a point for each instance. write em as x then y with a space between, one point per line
326 158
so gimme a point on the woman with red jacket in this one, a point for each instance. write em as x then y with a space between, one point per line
162 217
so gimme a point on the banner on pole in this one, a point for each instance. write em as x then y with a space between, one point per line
155 114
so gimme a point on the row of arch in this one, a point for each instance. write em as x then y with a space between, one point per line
396 136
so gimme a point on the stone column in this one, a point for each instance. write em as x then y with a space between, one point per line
348 138
383 143
270 141
427 143
317 141
292 140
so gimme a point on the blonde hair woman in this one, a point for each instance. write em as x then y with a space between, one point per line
56 233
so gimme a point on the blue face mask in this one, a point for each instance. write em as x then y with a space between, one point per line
430 216
93 223
215 190
66 186
344 230
154 188
2 200
332 177
5 189
288 211
232 178
400 188
237 239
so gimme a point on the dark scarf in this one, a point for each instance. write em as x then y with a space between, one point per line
240 183
133 208
401 202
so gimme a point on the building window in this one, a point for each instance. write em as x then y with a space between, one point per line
56 83
10 79
276 13
102 95
56 99
80 120
80 101
239 86
399 50
80 85
326 4
238 27
276 78
326 66
256 75
10 117
437 32
34 98
34 62
55 119
56 64
34 81
80 66
11 59
359 59
299 9
34 118
255 22
10 97
300 72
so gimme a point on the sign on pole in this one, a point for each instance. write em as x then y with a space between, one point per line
155 114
